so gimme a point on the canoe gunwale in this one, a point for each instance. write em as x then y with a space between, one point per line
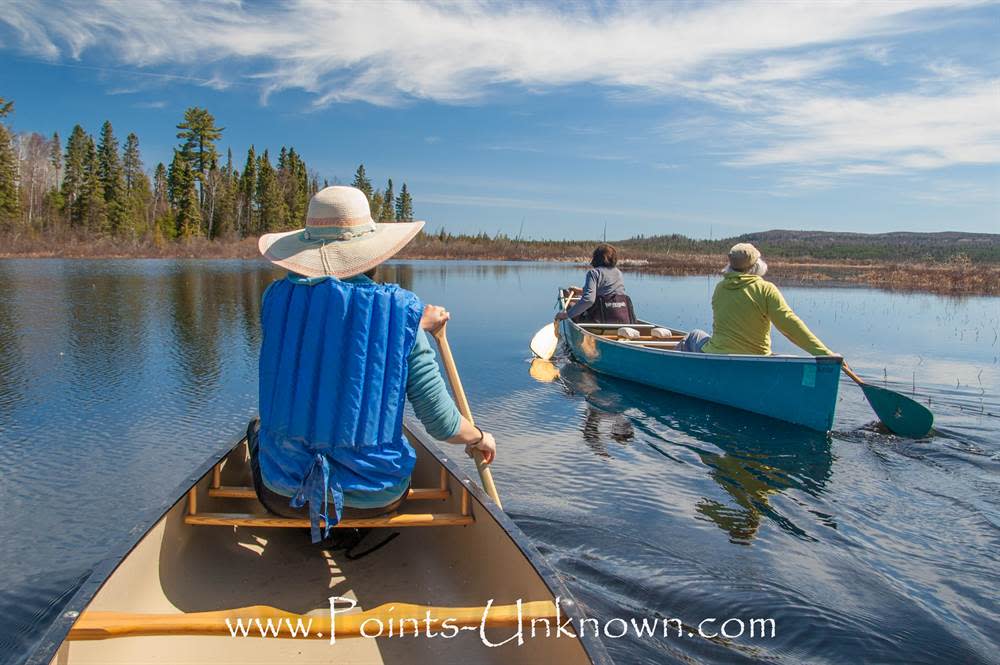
52 638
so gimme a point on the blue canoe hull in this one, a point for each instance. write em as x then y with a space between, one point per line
796 389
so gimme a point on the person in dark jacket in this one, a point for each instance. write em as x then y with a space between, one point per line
602 298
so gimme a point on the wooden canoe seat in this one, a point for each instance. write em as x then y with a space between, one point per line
394 519
415 493
391 520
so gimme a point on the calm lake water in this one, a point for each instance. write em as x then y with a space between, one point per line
116 378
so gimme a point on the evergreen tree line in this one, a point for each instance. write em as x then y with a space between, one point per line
102 188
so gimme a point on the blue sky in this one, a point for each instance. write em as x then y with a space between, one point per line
695 118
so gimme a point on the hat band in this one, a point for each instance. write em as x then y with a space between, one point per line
337 232
338 221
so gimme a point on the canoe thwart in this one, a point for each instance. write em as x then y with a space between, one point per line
108 625
273 521
415 493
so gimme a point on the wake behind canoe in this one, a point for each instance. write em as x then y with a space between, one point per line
797 389
215 554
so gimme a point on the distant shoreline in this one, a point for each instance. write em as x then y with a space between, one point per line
952 277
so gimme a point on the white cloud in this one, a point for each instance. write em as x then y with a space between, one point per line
883 133
771 65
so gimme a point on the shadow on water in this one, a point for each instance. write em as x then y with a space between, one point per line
748 456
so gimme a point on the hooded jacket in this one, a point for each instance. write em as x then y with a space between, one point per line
743 307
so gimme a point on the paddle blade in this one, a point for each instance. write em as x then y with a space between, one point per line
899 413
545 342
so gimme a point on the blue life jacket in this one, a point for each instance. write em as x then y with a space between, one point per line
333 369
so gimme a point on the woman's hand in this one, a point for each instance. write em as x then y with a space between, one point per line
562 315
487 446
474 439
433 318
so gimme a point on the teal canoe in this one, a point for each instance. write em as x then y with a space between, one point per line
796 389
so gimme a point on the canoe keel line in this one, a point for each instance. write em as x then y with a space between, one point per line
179 593
797 389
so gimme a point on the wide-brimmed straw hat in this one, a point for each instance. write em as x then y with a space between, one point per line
340 239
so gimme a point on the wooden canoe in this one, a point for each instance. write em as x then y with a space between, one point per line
797 389
216 554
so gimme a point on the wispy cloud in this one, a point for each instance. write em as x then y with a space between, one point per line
882 133
769 69
155 104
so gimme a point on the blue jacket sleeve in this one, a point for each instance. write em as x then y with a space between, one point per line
588 297
428 394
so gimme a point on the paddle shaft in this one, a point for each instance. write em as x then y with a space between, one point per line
462 402
850 372
107 625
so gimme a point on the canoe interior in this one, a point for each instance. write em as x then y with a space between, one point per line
797 389
182 568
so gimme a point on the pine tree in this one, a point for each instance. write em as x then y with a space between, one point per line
273 210
223 213
362 182
389 205
404 205
113 182
184 197
54 202
247 221
295 178
10 203
73 176
91 208
161 215
136 186
377 205
199 134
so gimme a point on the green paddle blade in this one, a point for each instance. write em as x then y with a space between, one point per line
899 413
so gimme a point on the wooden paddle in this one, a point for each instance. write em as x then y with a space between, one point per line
546 341
899 413
463 407
107 625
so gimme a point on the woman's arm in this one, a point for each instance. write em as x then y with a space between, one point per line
791 326
428 395
587 298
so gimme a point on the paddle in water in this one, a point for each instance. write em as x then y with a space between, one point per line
899 413
546 341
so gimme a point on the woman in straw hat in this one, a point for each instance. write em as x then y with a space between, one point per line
339 357
744 306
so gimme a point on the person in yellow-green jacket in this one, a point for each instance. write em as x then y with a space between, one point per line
744 306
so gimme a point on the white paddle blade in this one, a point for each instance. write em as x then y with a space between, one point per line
545 342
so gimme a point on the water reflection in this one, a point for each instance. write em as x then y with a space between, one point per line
11 363
118 377
750 462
